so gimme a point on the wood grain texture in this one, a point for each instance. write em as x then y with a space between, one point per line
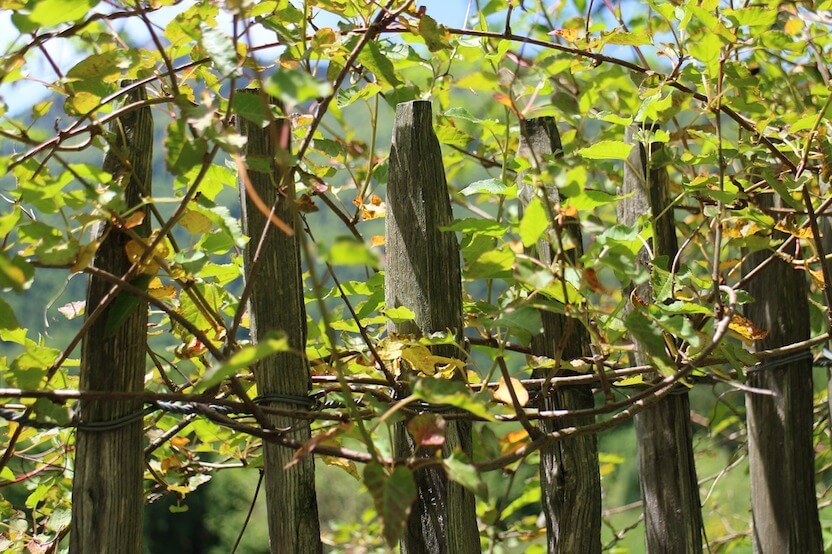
780 448
422 273
107 493
276 304
569 477
826 237
669 489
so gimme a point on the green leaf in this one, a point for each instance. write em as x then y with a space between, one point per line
534 222
462 113
183 153
8 320
400 314
124 304
393 496
607 150
706 49
250 106
649 337
373 59
435 35
756 16
295 87
460 471
475 226
627 38
48 13
485 186
451 393
15 273
492 264
220 49
522 322
348 251
28 370
590 199
248 356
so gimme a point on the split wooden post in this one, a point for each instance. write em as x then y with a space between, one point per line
569 478
780 445
276 304
669 488
107 490
423 274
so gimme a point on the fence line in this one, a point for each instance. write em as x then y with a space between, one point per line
423 275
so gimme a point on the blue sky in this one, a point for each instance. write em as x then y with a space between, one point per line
20 96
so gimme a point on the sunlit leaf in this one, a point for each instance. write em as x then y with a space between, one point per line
245 358
606 150
503 394
746 328
451 393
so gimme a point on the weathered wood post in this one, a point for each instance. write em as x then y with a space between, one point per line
276 304
107 492
569 478
422 273
669 488
780 450
826 238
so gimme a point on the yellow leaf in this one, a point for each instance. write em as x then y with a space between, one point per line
134 220
502 393
374 208
817 278
422 360
569 35
377 240
739 228
569 211
793 26
512 441
157 290
135 250
746 328
630 381
799 232
179 442
195 222
346 465
181 489
86 254
504 99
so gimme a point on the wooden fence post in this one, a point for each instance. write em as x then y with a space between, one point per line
826 238
276 303
569 478
780 445
423 274
107 490
669 488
